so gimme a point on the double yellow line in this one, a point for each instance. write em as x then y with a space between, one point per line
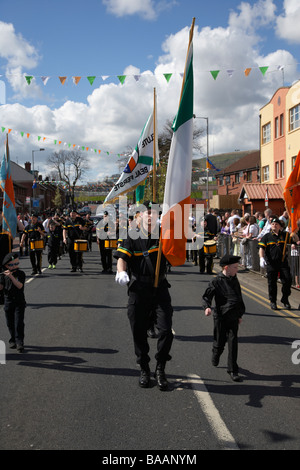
262 301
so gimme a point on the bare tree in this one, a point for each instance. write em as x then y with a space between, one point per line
70 166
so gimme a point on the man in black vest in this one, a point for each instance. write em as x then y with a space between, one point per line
137 257
73 230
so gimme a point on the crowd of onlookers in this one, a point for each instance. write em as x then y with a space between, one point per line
239 235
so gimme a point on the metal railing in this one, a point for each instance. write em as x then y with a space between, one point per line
250 257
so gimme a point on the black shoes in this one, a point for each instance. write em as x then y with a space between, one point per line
144 380
215 360
286 304
161 379
20 347
34 271
273 306
73 270
235 376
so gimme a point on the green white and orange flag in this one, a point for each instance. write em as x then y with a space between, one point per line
177 197
140 163
292 195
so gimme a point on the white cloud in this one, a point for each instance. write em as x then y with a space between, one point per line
19 54
113 116
119 8
288 23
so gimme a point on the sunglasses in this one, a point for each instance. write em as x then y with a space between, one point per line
13 264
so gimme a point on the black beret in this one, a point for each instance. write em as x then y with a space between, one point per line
229 259
9 257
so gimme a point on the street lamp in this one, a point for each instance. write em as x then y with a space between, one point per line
33 186
207 153
40 150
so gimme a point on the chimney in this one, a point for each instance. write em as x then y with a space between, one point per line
28 167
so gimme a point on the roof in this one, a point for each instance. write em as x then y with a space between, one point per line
249 161
258 191
19 174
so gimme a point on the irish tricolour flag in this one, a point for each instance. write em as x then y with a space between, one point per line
177 195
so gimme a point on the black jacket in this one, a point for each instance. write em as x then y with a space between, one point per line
228 296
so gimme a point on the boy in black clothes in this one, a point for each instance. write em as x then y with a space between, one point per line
228 312
12 281
53 242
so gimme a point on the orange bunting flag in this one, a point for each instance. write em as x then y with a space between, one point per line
62 80
291 195
247 71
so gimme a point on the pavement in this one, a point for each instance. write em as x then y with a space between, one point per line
257 283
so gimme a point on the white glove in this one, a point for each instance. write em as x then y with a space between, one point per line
122 278
262 262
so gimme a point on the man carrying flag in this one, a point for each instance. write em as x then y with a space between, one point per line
8 218
148 288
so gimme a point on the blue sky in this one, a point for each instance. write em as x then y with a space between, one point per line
114 37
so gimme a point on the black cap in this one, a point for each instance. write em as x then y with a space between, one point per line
105 213
9 257
35 214
229 259
275 219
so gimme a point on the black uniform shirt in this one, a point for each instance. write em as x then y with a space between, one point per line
33 232
11 292
72 227
133 251
273 245
228 296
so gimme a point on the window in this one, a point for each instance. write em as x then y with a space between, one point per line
266 133
293 162
221 181
249 176
277 174
227 179
266 173
281 124
295 118
282 169
276 128
237 178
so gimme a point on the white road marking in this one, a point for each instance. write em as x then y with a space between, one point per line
218 427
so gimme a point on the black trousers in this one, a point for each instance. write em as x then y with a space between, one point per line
205 261
286 282
36 259
106 256
75 257
226 330
14 314
141 306
53 254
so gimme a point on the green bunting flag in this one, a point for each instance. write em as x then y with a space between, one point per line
91 79
263 69
215 73
28 79
122 78
168 76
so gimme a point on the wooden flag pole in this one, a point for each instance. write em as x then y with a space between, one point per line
154 148
182 88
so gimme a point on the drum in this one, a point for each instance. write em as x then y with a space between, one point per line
210 248
111 244
36 245
80 246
